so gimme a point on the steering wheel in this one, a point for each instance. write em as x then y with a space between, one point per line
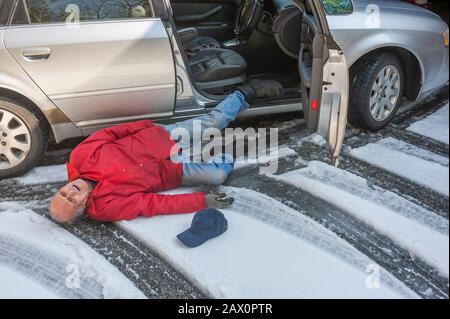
248 15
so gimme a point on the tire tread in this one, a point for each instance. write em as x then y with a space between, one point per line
360 76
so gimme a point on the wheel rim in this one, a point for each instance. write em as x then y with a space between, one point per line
15 140
385 93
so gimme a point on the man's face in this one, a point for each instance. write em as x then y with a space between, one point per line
65 205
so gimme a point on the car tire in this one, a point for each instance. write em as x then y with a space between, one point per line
362 93
33 142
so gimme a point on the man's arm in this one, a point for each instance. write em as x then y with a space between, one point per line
147 204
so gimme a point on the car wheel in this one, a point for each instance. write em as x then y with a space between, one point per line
23 138
376 91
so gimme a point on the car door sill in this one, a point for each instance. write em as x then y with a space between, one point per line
117 120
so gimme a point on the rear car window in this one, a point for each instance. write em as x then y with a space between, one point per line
337 7
45 11
4 12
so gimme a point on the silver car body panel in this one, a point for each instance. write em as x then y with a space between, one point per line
14 79
100 70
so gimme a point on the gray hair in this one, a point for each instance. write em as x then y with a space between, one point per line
79 213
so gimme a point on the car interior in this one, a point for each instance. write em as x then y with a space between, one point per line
230 42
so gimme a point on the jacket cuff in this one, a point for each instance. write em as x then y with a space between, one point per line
203 200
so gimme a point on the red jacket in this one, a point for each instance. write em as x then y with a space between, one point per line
130 163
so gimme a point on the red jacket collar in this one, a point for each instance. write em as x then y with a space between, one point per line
72 172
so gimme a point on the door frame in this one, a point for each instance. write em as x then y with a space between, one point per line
326 102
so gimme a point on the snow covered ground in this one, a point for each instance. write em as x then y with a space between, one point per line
258 257
39 259
43 174
422 232
416 164
261 159
434 126
310 230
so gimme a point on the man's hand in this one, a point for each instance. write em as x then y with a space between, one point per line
218 200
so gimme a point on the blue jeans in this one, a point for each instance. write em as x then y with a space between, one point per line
216 171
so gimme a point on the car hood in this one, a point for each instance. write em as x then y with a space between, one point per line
392 5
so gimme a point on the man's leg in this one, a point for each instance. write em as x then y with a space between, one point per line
227 110
213 173
219 117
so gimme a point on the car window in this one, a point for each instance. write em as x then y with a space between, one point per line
21 14
336 7
4 12
48 11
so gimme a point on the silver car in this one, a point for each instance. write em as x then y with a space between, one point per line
70 67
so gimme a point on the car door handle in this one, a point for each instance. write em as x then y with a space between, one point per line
36 54
199 17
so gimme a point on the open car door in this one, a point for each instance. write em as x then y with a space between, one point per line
324 76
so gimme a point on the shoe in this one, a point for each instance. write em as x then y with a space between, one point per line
261 89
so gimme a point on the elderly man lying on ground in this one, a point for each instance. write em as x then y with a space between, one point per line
116 173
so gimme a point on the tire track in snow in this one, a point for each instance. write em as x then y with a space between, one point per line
153 276
304 228
419 112
416 139
47 269
421 232
149 273
283 251
15 192
421 172
418 194
415 273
